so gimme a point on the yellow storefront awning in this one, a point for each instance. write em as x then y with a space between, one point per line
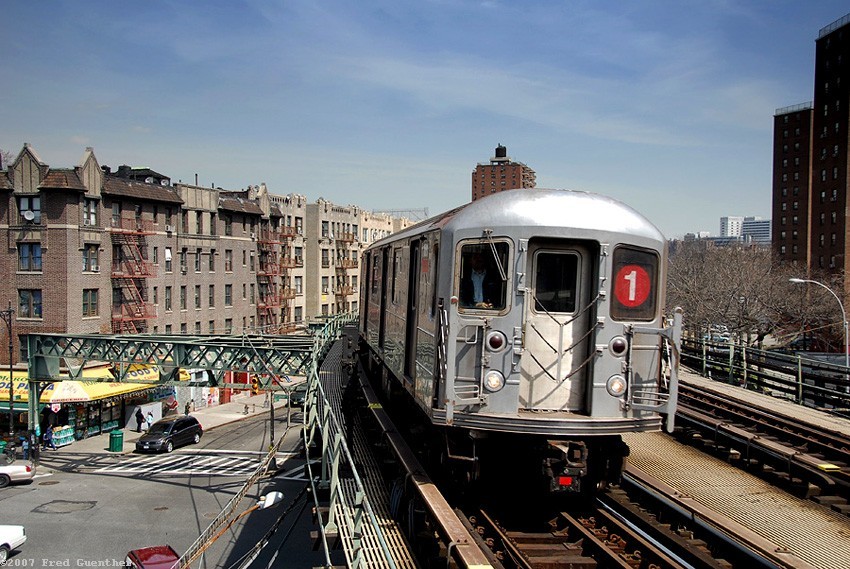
73 391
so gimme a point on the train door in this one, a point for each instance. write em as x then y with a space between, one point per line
412 312
557 316
382 325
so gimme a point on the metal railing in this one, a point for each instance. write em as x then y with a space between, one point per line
805 380
323 429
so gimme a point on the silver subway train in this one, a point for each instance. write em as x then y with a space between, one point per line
526 326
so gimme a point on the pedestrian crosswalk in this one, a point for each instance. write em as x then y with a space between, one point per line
189 463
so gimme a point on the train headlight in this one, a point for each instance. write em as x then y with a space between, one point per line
496 341
494 380
618 345
616 385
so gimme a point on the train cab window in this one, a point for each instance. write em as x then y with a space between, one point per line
483 276
635 284
555 282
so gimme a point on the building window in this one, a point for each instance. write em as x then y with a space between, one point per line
184 254
228 260
167 298
251 268
211 325
183 328
244 257
29 256
298 314
183 297
29 303
253 297
184 222
299 225
212 296
90 302
169 216
168 329
29 209
116 214
325 230
299 285
325 285
228 326
197 260
197 328
228 295
168 259
156 295
90 258
228 224
244 291
212 224
325 259
197 296
90 212
199 222
212 260
156 255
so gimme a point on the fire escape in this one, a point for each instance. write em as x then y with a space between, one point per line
274 280
344 263
130 271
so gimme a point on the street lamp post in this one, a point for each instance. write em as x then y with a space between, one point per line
7 315
843 316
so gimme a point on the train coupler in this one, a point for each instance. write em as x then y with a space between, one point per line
566 470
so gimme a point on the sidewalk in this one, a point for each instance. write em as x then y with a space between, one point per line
209 417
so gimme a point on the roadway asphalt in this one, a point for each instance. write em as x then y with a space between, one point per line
209 417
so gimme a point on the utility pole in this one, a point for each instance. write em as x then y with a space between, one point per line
7 316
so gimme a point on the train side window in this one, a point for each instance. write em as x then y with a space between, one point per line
481 284
555 282
635 284
435 258
396 269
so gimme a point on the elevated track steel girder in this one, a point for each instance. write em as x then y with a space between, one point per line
263 356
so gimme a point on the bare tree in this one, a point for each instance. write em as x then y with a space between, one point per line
743 289
6 158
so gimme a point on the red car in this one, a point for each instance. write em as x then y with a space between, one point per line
155 557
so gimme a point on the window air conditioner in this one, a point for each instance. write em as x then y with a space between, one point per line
87 222
253 235
169 229
95 268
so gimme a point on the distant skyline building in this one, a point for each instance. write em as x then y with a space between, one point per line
751 229
730 226
501 174
811 146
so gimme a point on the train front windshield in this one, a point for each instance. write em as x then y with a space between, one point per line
483 277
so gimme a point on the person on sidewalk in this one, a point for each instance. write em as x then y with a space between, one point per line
48 438
139 420
149 420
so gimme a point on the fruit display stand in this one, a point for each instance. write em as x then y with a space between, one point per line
63 435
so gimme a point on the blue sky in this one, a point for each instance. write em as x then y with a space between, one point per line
389 104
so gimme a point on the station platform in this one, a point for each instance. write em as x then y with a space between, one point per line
807 533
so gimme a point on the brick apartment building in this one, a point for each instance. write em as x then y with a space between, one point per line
811 148
501 174
91 250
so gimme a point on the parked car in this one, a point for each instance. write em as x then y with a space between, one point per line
297 395
11 537
166 434
9 473
156 557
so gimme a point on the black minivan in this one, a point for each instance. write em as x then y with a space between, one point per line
171 432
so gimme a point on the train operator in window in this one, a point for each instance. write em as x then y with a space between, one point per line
480 286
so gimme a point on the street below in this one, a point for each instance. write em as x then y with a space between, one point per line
91 509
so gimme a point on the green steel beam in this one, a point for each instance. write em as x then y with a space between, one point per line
264 356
